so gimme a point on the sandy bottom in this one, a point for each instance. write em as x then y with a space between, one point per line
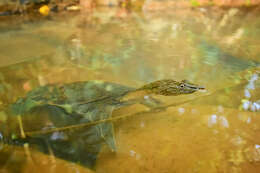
185 139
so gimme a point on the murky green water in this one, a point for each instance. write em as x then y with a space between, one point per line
217 132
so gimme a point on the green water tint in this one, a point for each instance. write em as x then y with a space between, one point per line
216 50
82 102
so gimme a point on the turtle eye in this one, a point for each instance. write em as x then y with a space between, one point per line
182 85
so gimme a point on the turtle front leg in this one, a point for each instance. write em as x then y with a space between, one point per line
146 100
151 102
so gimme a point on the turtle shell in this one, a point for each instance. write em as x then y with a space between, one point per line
56 106
77 93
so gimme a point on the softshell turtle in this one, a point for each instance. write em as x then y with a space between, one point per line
83 102
72 96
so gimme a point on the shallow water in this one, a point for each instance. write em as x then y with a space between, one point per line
217 131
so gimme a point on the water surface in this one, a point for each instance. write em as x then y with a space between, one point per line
216 132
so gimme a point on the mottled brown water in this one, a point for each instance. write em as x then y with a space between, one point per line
217 132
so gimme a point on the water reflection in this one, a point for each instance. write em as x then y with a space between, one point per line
219 132
212 120
215 119
250 87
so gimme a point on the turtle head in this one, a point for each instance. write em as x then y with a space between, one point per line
170 87
186 87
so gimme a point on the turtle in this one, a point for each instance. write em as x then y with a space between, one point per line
84 102
71 96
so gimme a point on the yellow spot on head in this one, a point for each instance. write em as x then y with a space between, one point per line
44 10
